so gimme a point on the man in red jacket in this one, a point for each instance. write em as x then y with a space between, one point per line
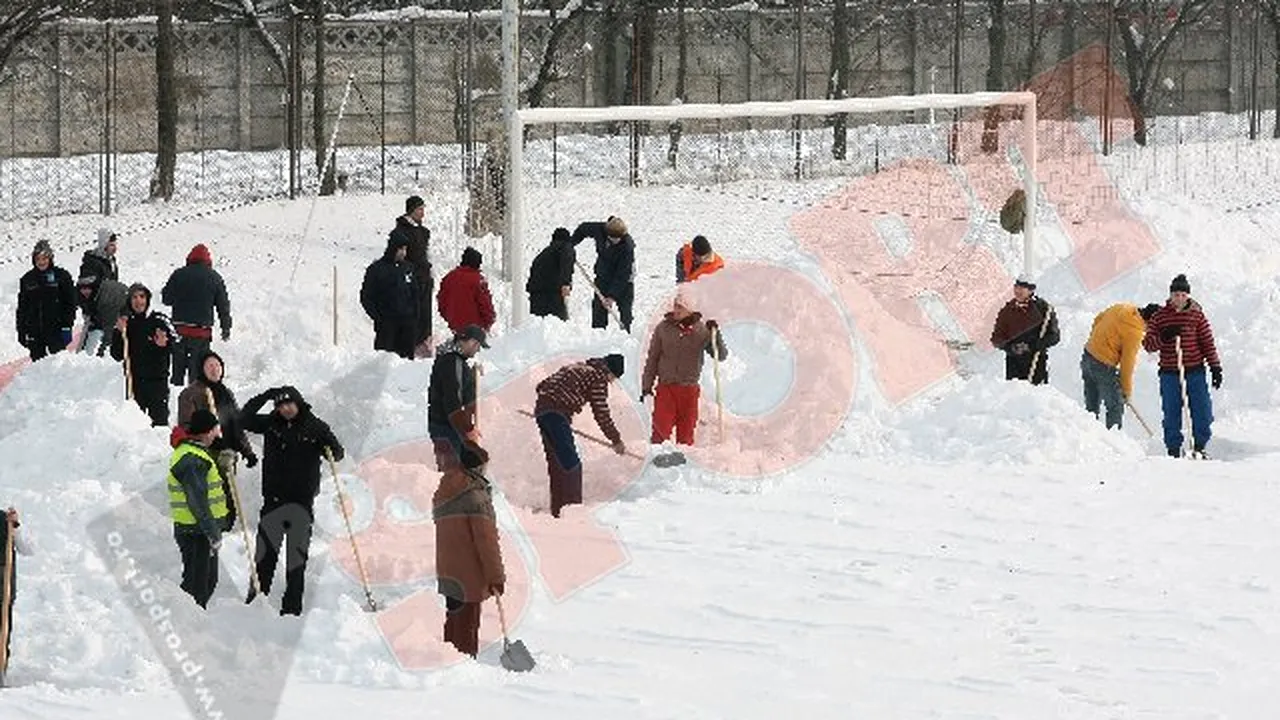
464 297
1181 324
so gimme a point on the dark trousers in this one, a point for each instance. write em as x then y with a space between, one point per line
1018 367
152 396
1102 387
546 304
462 625
199 566
1199 401
186 360
564 467
284 525
422 327
45 345
600 315
397 336
448 445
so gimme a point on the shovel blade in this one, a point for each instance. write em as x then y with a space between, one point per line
516 657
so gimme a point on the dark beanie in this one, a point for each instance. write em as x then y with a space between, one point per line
701 246
1180 284
413 203
1148 311
561 235
615 364
471 258
201 422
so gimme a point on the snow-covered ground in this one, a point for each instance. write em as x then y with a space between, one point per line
973 548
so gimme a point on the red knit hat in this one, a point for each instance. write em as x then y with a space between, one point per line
200 254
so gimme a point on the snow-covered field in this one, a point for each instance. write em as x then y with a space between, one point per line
976 549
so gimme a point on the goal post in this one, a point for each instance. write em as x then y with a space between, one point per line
519 120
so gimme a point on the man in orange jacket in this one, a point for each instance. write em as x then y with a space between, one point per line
1108 360
696 259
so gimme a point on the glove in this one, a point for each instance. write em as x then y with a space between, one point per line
24 340
226 334
620 448
1216 372
1021 348
66 336
250 460
645 394
1169 332
713 325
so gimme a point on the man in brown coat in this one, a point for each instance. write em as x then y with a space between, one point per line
468 557
1025 329
675 363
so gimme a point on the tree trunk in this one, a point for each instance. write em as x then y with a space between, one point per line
1274 16
675 129
996 41
166 104
328 183
838 82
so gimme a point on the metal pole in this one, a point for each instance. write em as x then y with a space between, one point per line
1255 105
382 84
1105 120
796 126
513 235
1031 149
953 142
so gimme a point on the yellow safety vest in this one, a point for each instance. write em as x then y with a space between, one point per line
182 514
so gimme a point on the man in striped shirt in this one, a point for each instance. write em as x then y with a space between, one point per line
1181 322
560 397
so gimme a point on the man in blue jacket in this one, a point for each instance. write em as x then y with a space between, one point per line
615 269
194 291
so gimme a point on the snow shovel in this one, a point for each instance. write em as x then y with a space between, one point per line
515 656
370 605
240 511
715 367
6 598
587 436
613 310
1138 415
1035 359
1186 406
128 368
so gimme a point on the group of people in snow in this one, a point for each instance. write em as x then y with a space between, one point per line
1178 330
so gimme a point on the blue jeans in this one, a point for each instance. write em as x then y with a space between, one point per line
1102 386
1197 398
564 467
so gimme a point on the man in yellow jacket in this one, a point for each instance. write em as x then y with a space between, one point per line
198 504
1108 360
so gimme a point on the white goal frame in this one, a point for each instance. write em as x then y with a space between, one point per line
518 120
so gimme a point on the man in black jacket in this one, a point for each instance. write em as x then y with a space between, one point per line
615 269
151 339
451 397
389 296
46 305
100 261
551 276
294 443
194 292
417 239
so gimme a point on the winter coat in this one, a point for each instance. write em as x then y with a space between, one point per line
451 396
147 361
615 267
46 303
676 352
97 263
1198 347
389 292
108 303
418 239
572 387
552 269
196 396
468 553
464 299
1021 322
690 268
292 450
194 291
1115 339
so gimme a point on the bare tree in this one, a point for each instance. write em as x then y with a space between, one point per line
1147 28
1271 11
328 181
838 80
549 71
166 104
253 11
20 18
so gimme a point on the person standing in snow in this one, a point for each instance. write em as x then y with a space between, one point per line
696 259
464 297
417 241
9 567
100 261
615 269
46 305
1109 358
560 397
674 362
194 292
451 396
198 503
551 276
209 392
469 566
103 301
389 296
1026 327
294 443
1182 322
151 339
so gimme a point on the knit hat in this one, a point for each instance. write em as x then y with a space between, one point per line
614 227
42 248
561 235
1025 282
1180 284
105 236
201 422
287 394
1148 311
200 255
615 363
471 258
87 281
701 246
413 203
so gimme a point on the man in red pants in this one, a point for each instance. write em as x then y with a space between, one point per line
675 362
